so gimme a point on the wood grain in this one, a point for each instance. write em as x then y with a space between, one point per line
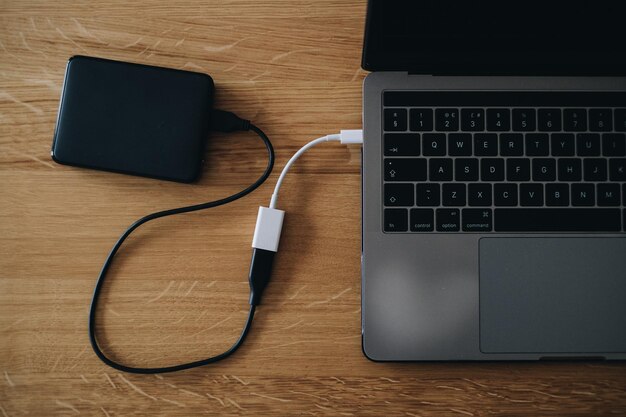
178 290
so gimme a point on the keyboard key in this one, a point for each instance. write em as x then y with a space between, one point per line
544 169
505 194
396 220
594 169
617 169
588 144
460 144
498 120
524 120
427 195
398 194
492 169
557 195
549 120
485 144
440 169
620 120
466 169
477 220
517 169
447 120
511 144
448 220
472 120
402 144
405 169
422 220
537 144
583 195
574 120
608 195
479 195
614 144
569 169
557 220
434 144
562 144
600 120
531 194
453 195
395 119
421 120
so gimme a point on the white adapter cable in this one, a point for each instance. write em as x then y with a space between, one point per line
269 221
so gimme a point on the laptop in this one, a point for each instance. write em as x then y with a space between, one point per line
494 180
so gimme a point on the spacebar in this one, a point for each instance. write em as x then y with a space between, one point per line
558 220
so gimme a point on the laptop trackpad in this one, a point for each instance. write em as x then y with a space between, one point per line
552 295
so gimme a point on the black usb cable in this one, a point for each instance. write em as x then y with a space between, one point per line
221 121
264 243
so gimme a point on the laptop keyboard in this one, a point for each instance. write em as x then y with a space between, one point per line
504 162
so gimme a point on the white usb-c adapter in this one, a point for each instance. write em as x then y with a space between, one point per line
269 222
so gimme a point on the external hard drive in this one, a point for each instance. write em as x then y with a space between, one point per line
133 119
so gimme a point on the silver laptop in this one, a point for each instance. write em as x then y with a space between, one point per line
494 180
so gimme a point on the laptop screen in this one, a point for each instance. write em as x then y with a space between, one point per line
486 37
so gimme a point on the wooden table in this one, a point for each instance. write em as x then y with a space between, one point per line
179 288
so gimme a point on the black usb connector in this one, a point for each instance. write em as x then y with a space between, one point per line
260 273
226 121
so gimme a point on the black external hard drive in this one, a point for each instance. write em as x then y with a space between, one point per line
133 119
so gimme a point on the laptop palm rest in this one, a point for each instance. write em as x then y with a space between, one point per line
553 295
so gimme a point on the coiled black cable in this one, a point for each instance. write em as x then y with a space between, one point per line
221 121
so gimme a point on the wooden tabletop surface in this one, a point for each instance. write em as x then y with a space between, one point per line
178 290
